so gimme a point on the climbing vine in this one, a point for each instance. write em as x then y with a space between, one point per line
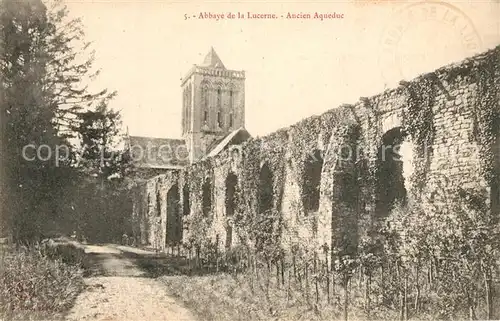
347 173
198 225
304 137
487 114
290 148
254 227
420 125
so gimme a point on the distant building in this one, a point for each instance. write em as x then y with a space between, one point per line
213 117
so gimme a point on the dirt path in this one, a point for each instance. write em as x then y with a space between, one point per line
124 294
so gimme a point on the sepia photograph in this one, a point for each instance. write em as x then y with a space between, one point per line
248 160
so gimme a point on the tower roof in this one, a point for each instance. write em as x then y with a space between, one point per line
213 60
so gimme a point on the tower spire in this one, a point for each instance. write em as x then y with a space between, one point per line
213 105
213 60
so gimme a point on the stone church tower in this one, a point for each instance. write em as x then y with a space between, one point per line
213 105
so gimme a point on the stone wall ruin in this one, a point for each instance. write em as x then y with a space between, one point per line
324 178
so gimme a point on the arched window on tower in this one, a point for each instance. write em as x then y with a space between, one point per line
205 116
219 98
206 102
205 97
230 99
230 120
188 108
184 111
219 119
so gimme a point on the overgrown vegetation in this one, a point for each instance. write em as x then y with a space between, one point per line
438 260
487 116
35 287
420 127
62 168
431 252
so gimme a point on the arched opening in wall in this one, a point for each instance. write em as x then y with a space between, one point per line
346 214
144 221
390 179
311 182
265 218
495 182
186 205
207 198
174 227
231 183
158 201
265 189
229 236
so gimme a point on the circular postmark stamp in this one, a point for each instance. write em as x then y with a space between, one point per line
423 36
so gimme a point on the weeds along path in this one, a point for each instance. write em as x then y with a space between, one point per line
122 292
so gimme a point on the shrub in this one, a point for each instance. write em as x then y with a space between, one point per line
33 286
65 249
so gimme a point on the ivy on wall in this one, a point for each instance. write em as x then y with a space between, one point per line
309 142
420 126
197 224
253 227
291 148
487 115
304 142
348 173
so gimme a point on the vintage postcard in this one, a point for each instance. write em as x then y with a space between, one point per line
249 160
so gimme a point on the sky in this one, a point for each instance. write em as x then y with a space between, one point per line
294 68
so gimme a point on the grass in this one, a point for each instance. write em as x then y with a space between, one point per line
35 287
265 295
224 297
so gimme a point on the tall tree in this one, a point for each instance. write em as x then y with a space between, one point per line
27 112
105 165
46 67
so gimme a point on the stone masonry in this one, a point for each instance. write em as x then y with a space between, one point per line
285 154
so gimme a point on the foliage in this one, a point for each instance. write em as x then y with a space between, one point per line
431 256
437 262
199 225
47 107
456 235
420 125
224 297
34 287
487 115
103 192
27 114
